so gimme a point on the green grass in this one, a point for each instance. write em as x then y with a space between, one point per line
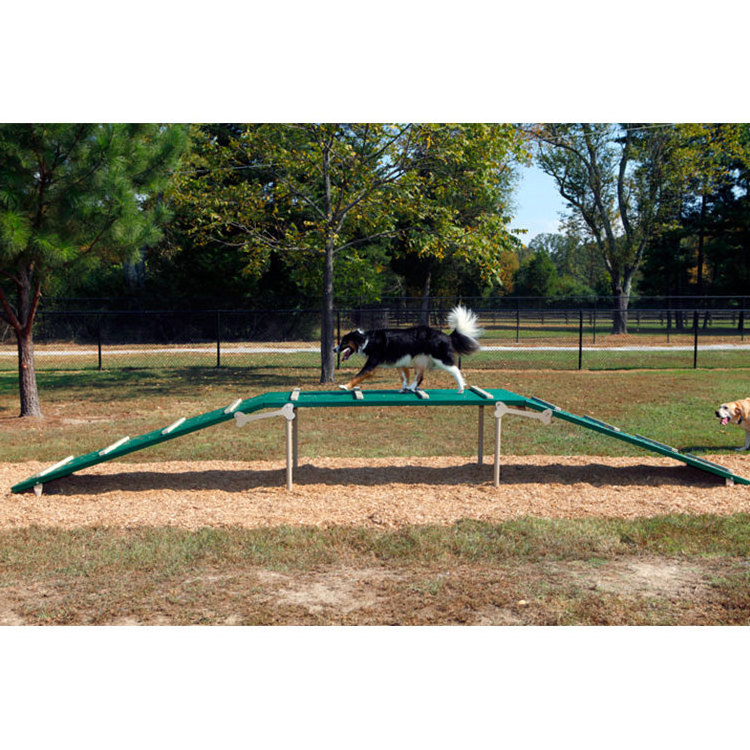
528 571
159 359
87 410
44 552
518 358
534 332
600 359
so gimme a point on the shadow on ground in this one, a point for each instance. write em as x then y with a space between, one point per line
595 474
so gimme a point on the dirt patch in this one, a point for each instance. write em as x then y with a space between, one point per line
8 615
384 492
348 590
651 577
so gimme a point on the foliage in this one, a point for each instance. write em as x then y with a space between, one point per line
441 191
423 210
537 276
700 248
612 178
580 269
709 156
73 196
327 197
464 184
81 193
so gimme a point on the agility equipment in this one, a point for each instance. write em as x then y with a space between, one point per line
287 405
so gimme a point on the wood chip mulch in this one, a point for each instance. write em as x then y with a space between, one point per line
384 492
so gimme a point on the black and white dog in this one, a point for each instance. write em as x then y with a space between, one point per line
420 347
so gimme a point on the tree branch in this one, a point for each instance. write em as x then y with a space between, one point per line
9 316
622 201
10 276
369 238
596 188
34 307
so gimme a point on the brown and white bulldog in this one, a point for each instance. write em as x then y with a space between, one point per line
737 412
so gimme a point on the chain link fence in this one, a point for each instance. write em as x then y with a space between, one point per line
520 338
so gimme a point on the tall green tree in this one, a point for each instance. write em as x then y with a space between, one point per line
537 276
699 249
74 195
579 266
319 193
712 156
613 178
458 229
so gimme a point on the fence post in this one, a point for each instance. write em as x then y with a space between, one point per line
593 323
580 339
99 338
696 319
218 338
669 322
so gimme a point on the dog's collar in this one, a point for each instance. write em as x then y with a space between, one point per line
739 419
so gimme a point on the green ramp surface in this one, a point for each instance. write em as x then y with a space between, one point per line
591 423
357 398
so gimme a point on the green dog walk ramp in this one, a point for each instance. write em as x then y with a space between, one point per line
591 423
286 404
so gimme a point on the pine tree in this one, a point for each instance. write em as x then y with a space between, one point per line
73 195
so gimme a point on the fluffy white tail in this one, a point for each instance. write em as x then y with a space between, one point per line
464 322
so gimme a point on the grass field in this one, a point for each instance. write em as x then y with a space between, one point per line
542 352
89 409
667 570
651 346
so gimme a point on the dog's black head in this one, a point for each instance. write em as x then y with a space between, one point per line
351 344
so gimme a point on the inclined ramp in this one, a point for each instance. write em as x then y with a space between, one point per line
332 399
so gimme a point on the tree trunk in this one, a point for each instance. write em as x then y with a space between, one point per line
327 360
424 313
27 375
701 243
22 322
620 310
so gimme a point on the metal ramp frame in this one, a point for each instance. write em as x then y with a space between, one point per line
287 404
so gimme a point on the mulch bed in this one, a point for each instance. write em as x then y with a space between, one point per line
380 492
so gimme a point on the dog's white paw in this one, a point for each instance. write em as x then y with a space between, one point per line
344 388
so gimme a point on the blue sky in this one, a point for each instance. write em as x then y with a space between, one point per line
538 204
